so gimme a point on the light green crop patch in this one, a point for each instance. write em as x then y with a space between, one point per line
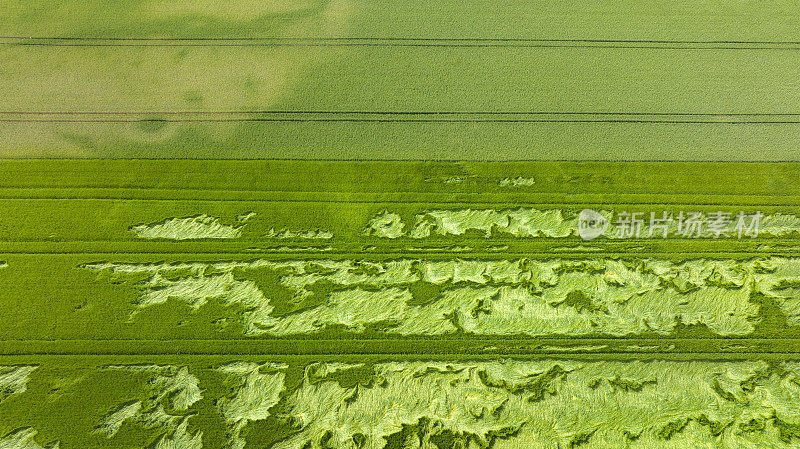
496 297
14 380
202 227
552 404
24 439
287 234
529 222
519 181
256 393
547 403
173 392
199 227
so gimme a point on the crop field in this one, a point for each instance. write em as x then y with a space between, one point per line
309 304
410 79
406 224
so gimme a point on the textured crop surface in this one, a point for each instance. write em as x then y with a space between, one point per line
398 305
410 80
509 403
250 224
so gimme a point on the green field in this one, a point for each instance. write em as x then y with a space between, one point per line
190 304
362 224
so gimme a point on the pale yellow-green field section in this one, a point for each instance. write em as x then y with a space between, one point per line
358 79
